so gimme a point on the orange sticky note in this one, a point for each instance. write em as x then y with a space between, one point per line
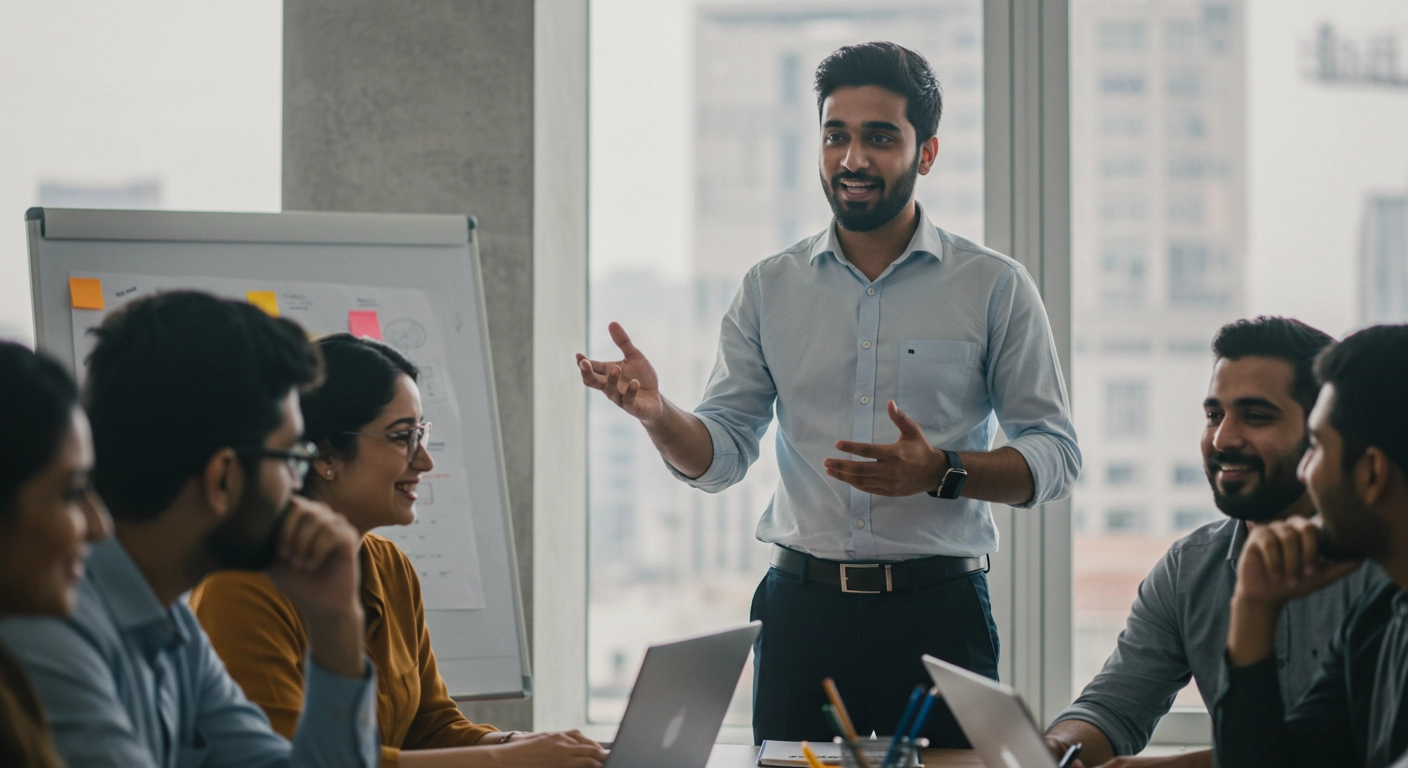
364 323
265 300
86 292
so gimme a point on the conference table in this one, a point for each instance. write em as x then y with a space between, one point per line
743 756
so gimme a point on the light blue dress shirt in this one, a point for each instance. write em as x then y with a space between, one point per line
952 331
127 682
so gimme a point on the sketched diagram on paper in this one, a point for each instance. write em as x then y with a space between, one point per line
441 543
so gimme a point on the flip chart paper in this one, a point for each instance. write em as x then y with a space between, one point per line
442 543
87 292
364 323
265 300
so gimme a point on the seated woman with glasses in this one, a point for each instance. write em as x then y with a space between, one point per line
48 515
367 424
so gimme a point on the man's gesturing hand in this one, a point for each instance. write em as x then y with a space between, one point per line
629 382
902 468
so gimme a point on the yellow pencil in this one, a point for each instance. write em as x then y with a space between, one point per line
812 760
841 714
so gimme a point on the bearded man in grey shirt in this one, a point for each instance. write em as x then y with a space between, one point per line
1262 390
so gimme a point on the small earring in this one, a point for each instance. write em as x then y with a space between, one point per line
329 474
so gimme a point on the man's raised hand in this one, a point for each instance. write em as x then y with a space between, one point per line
629 382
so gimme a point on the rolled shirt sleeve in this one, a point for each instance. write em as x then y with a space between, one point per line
1028 390
738 401
1150 665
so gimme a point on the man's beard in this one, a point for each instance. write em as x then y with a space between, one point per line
240 543
867 217
1278 488
1349 531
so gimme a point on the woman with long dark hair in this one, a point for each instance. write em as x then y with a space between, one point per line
48 516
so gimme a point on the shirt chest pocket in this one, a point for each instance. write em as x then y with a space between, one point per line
934 380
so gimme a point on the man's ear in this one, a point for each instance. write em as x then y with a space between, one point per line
222 481
928 151
1372 475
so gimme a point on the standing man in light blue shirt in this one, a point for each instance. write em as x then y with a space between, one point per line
886 345
196 429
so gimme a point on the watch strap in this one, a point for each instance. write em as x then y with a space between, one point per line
951 485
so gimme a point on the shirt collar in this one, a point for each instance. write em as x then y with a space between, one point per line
927 240
134 607
1239 540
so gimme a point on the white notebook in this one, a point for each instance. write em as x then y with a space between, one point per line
789 753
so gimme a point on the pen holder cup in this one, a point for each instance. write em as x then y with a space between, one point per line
906 754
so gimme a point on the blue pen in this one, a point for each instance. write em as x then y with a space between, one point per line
923 715
903 724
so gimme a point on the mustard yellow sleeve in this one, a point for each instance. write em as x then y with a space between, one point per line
259 635
439 722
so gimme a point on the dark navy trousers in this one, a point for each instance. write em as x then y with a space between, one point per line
870 645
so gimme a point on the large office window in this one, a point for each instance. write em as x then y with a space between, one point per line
702 164
1278 181
140 104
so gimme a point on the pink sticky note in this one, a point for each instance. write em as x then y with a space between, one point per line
364 323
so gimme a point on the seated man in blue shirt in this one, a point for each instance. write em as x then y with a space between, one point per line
196 429
1262 389
1355 713
886 346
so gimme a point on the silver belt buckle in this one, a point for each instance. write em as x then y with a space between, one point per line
845 579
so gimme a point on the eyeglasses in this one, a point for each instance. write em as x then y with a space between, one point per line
298 458
413 438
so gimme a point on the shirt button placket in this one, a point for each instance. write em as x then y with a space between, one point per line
862 534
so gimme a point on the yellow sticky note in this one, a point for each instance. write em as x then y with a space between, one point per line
86 292
265 300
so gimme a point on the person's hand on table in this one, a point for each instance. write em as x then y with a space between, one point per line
903 468
1059 747
565 749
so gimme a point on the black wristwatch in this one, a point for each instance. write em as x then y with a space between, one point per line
954 478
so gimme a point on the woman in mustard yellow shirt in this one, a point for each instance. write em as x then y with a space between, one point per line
48 513
367 422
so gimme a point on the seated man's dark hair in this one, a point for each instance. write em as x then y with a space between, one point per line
1369 371
39 397
892 67
175 378
1280 338
359 381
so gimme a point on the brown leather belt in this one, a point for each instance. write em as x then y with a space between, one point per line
875 578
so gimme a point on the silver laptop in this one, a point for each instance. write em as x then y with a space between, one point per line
679 700
994 718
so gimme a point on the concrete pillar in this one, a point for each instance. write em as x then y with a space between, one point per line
428 106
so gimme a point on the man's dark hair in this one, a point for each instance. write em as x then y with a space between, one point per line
175 378
1280 338
892 67
359 381
37 398
1369 371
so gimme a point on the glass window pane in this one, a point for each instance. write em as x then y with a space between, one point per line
140 104
703 164
1276 182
